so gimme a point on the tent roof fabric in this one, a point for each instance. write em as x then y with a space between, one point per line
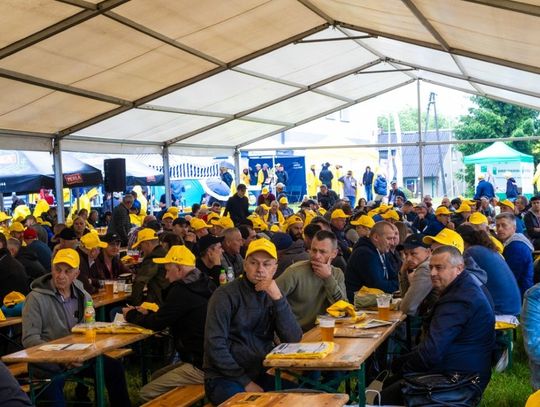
213 75
496 153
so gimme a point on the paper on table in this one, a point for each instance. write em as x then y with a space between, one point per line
119 319
65 346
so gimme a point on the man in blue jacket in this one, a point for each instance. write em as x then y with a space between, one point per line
441 221
484 188
517 250
461 333
368 265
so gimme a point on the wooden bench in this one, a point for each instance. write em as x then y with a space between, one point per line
18 369
180 397
119 353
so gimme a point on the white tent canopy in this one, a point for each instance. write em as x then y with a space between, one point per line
135 76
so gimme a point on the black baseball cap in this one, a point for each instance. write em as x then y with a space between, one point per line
206 241
67 234
412 242
110 238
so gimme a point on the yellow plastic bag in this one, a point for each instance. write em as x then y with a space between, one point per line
341 308
150 306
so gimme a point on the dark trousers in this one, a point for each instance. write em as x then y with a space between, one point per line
115 382
220 389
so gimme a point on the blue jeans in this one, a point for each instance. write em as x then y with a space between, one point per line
220 389
351 198
369 192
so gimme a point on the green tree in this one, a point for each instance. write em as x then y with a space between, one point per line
408 120
491 120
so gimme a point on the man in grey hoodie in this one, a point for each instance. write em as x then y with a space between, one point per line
56 304
517 250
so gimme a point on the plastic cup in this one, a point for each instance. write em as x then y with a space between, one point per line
109 288
327 327
121 286
383 306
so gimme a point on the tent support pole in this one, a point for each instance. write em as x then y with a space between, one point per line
167 176
420 144
237 166
58 179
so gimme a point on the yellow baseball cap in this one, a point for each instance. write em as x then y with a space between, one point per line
364 220
442 210
173 210
204 207
4 217
144 235
506 202
168 215
198 224
463 208
265 190
68 256
178 255
446 237
16 227
283 200
212 215
339 214
275 228
91 241
262 245
291 220
258 223
390 214
225 222
13 298
478 218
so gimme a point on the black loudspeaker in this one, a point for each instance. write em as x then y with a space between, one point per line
115 174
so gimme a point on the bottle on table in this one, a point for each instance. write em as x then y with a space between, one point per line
90 320
230 274
222 277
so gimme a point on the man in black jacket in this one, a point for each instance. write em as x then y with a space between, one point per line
12 274
184 311
238 205
120 222
27 258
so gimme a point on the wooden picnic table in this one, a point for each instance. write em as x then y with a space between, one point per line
101 298
349 354
102 343
286 399
10 321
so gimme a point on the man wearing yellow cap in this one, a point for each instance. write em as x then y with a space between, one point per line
56 304
441 221
363 225
313 285
243 318
184 312
338 220
284 207
149 274
266 197
484 188
88 250
294 227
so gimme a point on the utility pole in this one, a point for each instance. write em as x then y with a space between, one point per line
439 151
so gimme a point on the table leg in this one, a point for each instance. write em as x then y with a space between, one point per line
100 382
277 378
361 385
100 314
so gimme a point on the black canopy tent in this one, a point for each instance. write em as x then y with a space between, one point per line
28 171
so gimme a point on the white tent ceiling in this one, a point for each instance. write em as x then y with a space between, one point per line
120 75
